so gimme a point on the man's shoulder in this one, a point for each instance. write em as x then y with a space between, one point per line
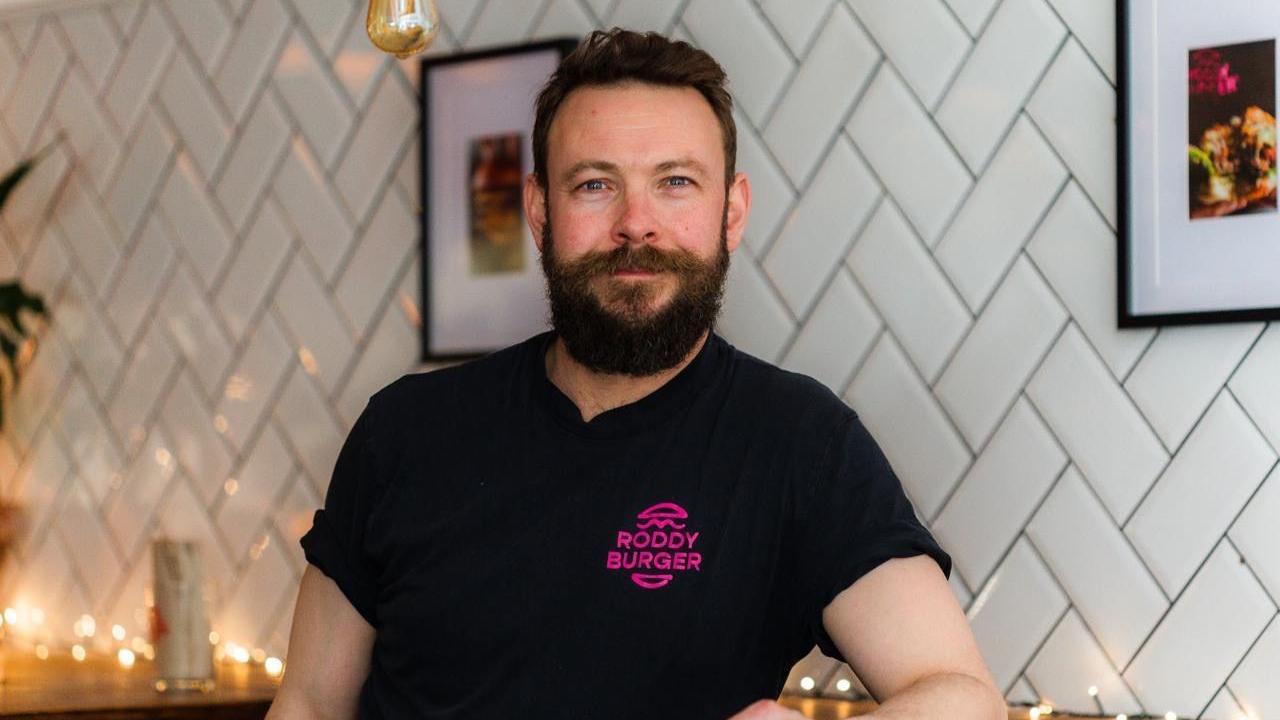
784 393
470 382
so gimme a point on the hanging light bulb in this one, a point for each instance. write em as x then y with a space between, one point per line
402 27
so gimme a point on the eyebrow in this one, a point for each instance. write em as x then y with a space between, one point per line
606 166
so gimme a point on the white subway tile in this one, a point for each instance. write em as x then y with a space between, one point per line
818 97
837 335
1199 642
250 55
739 39
1254 682
251 161
1076 251
1256 384
141 65
195 113
1254 533
927 44
317 105
321 339
656 15
925 451
253 383
250 492
908 289
1075 106
1006 344
254 271
820 228
1182 371
1199 494
202 454
1103 433
998 76
195 223
1070 663
898 138
997 496
753 318
1019 605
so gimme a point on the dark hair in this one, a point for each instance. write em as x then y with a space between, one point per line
617 56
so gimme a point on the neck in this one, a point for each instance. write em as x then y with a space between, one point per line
595 392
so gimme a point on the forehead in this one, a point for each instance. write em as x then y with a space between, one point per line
635 123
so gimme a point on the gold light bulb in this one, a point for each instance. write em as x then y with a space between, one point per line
402 27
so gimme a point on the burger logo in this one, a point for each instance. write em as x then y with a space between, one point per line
658 547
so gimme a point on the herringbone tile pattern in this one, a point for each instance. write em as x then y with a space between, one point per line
227 240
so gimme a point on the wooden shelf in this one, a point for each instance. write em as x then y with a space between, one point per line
100 689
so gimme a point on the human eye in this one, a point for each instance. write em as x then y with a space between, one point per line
592 185
678 181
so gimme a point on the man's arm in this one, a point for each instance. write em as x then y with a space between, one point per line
328 659
907 639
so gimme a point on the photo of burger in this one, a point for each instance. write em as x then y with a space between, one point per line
1232 148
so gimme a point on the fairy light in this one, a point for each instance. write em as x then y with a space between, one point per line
274 666
117 632
807 682
1045 709
42 651
259 655
126 658
1034 713
85 627
137 644
1093 691
1122 716
213 637
11 616
237 653
77 652
1171 715
843 685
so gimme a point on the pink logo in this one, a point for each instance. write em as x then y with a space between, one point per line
659 542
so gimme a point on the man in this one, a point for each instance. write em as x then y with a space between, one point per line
625 517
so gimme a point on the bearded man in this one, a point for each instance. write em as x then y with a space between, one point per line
624 517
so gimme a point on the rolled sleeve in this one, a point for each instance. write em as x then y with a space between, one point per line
336 541
857 517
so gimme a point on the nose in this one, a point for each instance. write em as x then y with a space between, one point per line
636 223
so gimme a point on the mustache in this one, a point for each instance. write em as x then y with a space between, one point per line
645 258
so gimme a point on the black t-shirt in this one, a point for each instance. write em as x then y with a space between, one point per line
670 558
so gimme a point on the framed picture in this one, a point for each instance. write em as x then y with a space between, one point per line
1198 224
482 285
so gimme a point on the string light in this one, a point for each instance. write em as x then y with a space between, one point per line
807 682
843 685
117 632
126 658
77 652
274 666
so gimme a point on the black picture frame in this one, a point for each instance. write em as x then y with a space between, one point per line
1208 268
476 114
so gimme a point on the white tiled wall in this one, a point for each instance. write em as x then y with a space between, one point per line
228 241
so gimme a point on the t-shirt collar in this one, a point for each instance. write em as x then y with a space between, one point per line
645 413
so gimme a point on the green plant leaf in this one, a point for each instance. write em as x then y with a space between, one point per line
24 168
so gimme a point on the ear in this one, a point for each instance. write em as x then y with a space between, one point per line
739 199
535 208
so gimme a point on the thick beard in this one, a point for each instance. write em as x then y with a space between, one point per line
630 339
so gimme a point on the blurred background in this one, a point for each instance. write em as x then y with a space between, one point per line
227 242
